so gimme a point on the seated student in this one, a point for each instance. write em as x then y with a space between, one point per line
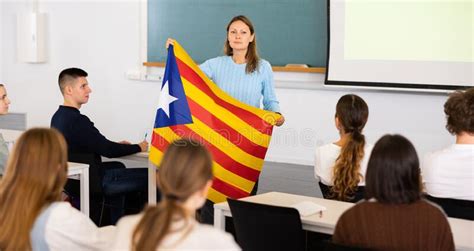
184 178
340 166
4 104
83 137
449 173
394 216
31 213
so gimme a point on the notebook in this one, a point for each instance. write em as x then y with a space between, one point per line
307 208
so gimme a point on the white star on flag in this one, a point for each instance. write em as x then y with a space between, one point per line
166 99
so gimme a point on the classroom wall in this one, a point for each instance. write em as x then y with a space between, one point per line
103 38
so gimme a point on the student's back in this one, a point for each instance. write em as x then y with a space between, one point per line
195 236
415 226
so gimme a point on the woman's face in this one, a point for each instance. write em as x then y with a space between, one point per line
4 101
239 36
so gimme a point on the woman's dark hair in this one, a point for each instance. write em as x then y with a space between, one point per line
352 113
459 110
252 54
393 172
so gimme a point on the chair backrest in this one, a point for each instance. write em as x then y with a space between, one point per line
265 227
463 209
331 246
95 172
358 195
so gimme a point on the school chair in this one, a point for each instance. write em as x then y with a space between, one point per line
265 227
463 209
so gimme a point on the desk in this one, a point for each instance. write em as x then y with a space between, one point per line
463 230
142 157
83 171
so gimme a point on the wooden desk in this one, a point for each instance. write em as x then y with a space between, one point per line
463 230
83 171
143 157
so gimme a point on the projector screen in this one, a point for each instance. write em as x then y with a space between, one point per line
421 44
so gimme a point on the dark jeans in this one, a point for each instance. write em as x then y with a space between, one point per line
125 180
122 188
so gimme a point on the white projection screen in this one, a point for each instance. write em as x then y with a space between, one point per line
415 44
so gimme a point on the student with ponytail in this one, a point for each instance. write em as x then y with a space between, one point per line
340 166
184 179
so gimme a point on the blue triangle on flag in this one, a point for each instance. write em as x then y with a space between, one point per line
178 108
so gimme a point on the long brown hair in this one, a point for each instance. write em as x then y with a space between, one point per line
252 54
34 178
186 167
352 113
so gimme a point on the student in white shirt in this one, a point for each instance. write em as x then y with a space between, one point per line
340 166
449 173
184 178
4 104
31 214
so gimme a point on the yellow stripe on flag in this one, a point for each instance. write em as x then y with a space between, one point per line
155 156
232 178
216 196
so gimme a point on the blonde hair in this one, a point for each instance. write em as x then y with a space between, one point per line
252 54
34 178
186 168
352 113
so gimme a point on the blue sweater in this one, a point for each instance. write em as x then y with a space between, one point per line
82 136
247 88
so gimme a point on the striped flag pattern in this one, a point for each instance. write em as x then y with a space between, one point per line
236 134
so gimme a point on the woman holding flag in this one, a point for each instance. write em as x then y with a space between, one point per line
242 74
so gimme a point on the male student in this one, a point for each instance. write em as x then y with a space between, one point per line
449 173
83 137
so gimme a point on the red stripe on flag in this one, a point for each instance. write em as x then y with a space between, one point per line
250 118
159 142
226 131
220 157
228 189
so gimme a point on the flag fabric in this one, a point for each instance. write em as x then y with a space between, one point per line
237 135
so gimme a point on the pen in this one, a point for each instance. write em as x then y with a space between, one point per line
146 134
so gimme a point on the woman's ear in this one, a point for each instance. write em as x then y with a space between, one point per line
337 123
205 189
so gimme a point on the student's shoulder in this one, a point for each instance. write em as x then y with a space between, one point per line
439 154
331 147
219 239
62 214
129 221
431 209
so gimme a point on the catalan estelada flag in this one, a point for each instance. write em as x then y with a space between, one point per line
237 135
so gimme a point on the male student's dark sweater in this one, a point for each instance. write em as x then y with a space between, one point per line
82 136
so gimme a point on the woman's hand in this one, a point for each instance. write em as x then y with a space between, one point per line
280 121
169 42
